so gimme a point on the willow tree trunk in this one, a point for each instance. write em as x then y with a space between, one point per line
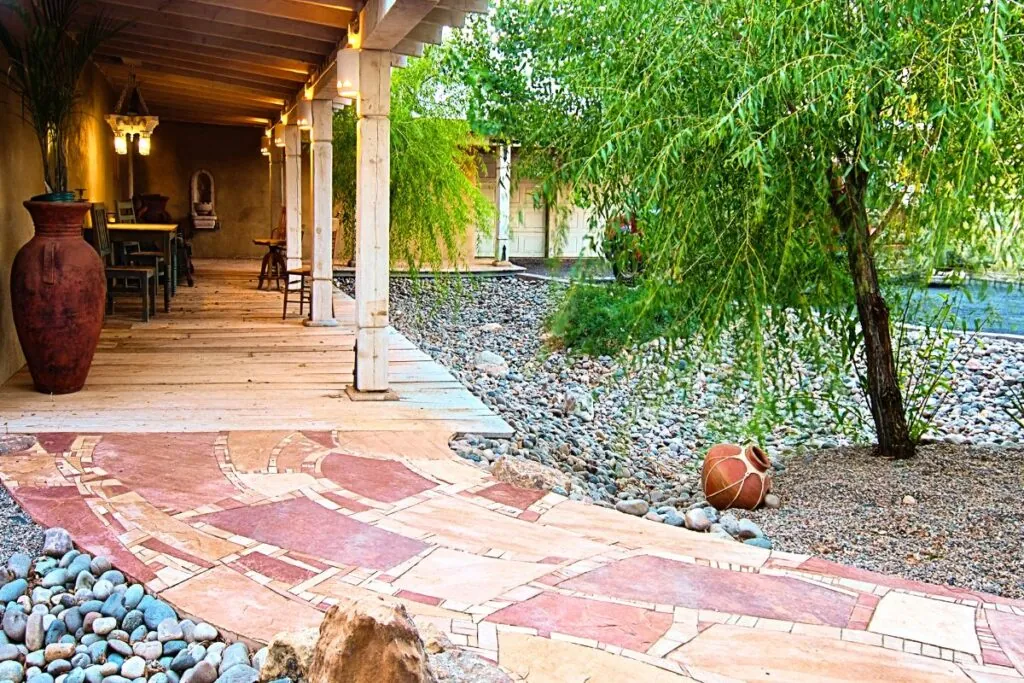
886 400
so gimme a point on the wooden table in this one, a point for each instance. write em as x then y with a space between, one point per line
161 233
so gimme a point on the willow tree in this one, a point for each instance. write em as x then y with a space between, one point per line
435 196
783 158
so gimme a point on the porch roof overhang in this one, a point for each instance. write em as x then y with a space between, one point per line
247 62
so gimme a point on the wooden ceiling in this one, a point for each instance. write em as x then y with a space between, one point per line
242 62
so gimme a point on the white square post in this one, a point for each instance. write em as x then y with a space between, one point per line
293 194
322 152
373 219
504 173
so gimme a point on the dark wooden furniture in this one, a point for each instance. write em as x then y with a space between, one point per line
274 264
138 280
162 234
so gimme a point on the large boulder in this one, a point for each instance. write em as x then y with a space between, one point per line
368 640
530 475
289 655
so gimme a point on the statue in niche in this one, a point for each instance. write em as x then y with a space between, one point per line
204 214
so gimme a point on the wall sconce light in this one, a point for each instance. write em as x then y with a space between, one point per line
265 145
348 73
279 135
304 114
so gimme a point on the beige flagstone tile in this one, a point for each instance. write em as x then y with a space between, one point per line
451 472
338 589
460 524
243 607
426 444
271 485
33 470
171 531
934 622
540 660
756 655
612 526
467 578
250 451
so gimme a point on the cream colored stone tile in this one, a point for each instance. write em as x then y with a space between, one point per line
467 578
754 655
171 531
250 451
451 471
540 660
614 527
460 524
271 485
925 620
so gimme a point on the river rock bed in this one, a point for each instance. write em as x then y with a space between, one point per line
68 617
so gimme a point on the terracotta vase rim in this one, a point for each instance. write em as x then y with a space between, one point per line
758 458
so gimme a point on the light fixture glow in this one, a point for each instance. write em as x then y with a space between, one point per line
121 144
144 144
348 73
265 143
304 114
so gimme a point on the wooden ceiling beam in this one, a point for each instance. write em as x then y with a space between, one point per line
473 6
185 116
220 14
446 17
171 102
139 14
152 80
199 52
164 54
426 33
383 24
164 65
335 17
155 33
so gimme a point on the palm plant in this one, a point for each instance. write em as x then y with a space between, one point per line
46 62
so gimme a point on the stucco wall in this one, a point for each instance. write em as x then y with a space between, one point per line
241 176
21 176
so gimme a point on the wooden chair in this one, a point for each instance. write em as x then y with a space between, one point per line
120 277
274 262
305 289
125 212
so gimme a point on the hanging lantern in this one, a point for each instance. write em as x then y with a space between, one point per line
304 115
348 73
131 117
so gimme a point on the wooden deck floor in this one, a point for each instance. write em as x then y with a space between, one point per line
224 360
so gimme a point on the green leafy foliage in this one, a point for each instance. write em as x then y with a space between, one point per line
46 63
745 131
434 168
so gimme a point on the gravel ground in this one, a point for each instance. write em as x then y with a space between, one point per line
960 526
18 533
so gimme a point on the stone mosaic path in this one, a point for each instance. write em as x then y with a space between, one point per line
258 532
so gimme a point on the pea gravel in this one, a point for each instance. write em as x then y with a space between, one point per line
952 515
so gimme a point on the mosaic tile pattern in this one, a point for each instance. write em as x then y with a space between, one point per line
279 526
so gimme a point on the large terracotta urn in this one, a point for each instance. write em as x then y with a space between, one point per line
58 293
735 476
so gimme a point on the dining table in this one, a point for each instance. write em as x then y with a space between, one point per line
163 234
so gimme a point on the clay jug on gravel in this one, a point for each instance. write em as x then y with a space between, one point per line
58 293
736 477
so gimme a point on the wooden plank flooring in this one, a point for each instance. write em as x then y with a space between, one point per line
224 360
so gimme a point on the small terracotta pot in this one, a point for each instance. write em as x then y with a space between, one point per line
736 477
58 294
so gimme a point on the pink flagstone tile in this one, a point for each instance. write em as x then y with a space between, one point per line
172 471
56 442
654 579
513 496
385 480
1008 630
623 625
345 501
275 568
63 506
167 549
302 525
324 438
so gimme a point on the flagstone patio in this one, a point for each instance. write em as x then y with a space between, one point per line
258 532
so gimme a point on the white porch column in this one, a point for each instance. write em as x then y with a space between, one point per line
322 154
276 185
373 219
504 173
293 193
